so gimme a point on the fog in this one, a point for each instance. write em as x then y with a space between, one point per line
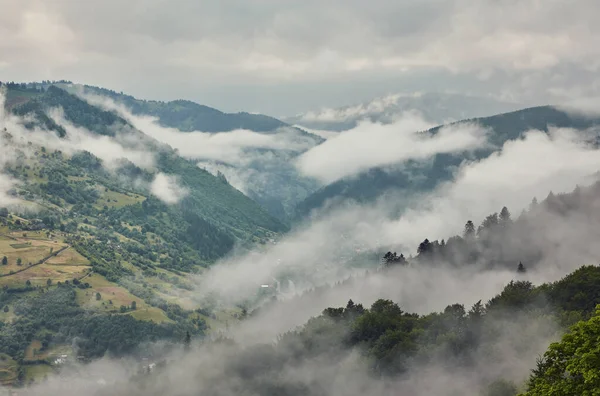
260 164
523 169
166 188
341 245
19 142
371 145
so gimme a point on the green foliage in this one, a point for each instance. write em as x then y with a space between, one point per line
578 291
517 294
57 312
571 366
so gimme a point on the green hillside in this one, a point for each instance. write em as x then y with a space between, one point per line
270 177
90 254
186 115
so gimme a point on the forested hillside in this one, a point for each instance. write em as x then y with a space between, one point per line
268 176
415 176
488 348
186 115
94 256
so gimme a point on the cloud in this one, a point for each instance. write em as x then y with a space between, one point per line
324 250
17 143
589 107
434 107
371 145
374 107
518 49
166 188
112 150
233 147
7 184
318 132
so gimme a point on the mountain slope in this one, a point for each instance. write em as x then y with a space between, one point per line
267 176
215 202
417 176
92 261
186 115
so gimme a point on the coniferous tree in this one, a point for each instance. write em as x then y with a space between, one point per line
425 247
469 231
187 341
504 216
533 204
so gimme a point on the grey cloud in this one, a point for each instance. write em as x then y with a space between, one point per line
166 188
321 250
233 148
499 46
16 141
372 145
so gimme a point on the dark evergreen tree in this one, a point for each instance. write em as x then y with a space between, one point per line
469 231
425 247
504 216
187 341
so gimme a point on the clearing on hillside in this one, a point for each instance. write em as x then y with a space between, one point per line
114 199
113 296
68 257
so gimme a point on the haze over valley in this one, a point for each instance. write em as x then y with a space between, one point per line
259 198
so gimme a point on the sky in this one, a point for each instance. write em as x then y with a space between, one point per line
282 57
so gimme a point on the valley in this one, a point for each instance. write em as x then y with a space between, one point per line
116 246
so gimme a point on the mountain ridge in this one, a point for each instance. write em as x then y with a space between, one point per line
374 182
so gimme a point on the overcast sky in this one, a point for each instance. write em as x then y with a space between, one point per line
286 56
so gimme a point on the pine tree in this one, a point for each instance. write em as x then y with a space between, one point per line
504 216
521 268
469 231
187 341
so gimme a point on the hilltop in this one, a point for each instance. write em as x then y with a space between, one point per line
417 176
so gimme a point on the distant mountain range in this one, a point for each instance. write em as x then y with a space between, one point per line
437 108
418 177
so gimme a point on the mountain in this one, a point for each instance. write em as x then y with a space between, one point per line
268 176
376 342
209 197
417 177
95 249
437 108
186 115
